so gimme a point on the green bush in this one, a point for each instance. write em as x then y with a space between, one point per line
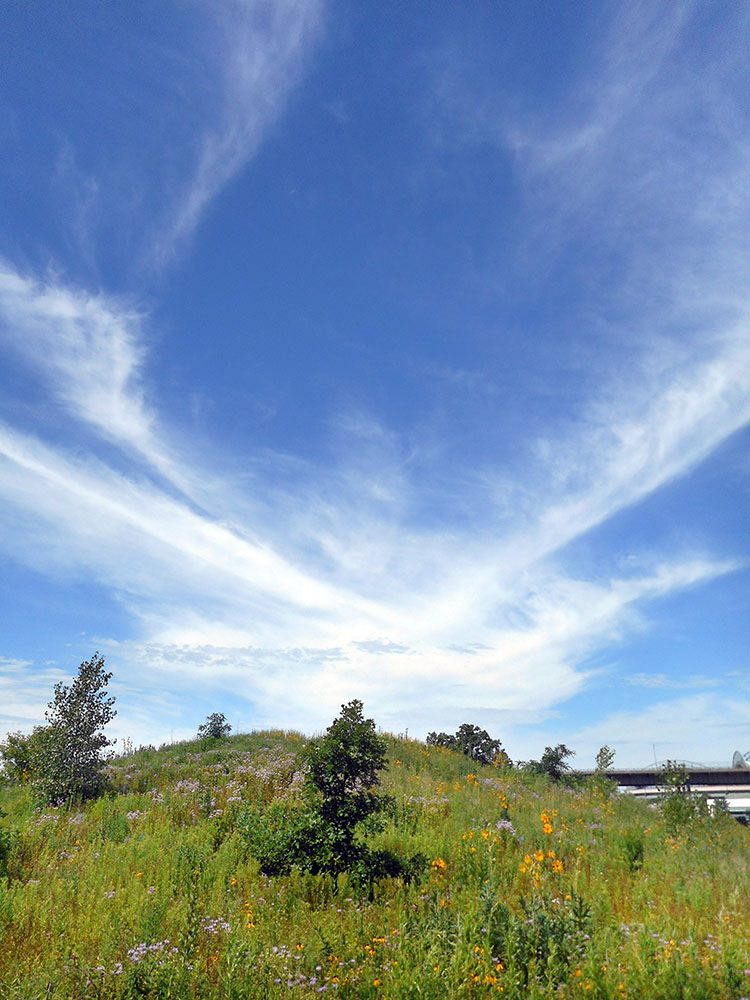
282 836
541 941
21 753
679 806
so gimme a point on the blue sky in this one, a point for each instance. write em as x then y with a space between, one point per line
380 350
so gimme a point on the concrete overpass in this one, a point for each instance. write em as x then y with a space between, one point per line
729 783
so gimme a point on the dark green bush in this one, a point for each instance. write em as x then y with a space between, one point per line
20 753
543 941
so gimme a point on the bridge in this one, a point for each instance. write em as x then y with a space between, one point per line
729 783
652 777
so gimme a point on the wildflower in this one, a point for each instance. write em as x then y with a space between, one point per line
376 982
139 874
438 865
539 856
557 866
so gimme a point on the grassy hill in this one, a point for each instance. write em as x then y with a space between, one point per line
529 890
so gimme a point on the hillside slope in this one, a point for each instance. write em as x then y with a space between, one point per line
529 890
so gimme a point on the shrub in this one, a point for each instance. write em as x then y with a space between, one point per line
633 846
474 743
215 727
69 764
678 805
20 753
543 940
282 836
344 773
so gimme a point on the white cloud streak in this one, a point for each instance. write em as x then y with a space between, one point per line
221 599
302 603
260 48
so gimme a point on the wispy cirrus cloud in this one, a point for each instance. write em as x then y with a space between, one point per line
206 87
259 49
353 576
87 348
254 598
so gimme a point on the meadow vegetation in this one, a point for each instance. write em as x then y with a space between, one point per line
528 887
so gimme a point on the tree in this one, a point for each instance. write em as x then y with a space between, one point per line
604 759
345 771
215 726
473 742
343 804
69 764
552 763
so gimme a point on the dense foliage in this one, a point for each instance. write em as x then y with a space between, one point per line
473 742
342 805
553 762
215 727
533 889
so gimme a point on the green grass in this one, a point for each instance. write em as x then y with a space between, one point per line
152 892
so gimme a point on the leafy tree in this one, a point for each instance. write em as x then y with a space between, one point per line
215 726
69 764
474 743
345 771
343 804
604 759
553 762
